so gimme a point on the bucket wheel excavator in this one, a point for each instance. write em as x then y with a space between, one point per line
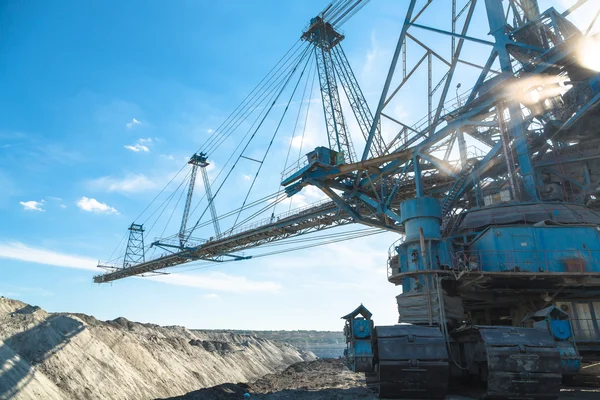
494 194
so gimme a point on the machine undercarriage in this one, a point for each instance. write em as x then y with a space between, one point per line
502 322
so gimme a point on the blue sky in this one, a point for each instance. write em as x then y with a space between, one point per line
103 102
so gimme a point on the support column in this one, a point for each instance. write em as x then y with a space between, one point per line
498 29
418 178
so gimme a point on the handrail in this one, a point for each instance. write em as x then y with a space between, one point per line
294 167
270 220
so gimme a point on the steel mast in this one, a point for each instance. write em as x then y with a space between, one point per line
334 69
198 160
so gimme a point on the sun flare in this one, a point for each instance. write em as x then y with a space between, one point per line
589 53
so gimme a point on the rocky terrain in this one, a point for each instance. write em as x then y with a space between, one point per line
323 379
329 379
74 356
324 344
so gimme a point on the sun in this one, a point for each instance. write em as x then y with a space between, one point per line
588 53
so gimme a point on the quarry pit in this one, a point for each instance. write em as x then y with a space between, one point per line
75 356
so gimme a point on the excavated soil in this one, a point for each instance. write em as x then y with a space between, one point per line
329 379
325 379
74 356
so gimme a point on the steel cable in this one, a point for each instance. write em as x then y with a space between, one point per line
274 135
251 137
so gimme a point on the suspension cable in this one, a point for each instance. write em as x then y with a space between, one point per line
287 156
278 66
167 201
257 213
249 96
273 137
320 237
305 121
320 243
259 96
349 12
248 206
271 94
306 51
159 193
233 153
174 208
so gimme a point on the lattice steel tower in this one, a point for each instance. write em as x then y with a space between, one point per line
134 254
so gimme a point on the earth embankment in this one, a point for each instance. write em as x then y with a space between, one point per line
75 356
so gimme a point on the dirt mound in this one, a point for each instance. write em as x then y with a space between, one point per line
329 379
319 374
75 356
226 391
216 345
326 379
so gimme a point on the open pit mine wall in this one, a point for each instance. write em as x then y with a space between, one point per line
74 356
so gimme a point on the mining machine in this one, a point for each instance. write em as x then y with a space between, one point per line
494 195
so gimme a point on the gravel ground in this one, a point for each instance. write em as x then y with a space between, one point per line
329 379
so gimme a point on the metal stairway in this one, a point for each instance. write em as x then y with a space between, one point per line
455 190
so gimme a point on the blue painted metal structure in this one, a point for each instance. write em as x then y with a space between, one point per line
557 322
324 37
489 237
333 67
359 333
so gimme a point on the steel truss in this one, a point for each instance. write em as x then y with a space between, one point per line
527 148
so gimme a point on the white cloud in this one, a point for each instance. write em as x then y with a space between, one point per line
132 123
298 141
141 145
131 183
308 195
212 296
137 148
22 252
218 281
372 57
312 133
32 205
215 281
93 205
209 131
63 206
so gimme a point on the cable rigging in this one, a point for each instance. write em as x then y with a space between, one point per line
252 94
267 97
273 137
254 132
253 111
331 239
